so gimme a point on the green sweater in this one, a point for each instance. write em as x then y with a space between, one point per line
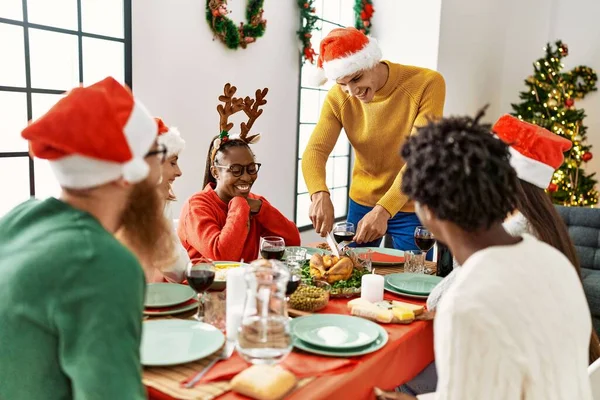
71 302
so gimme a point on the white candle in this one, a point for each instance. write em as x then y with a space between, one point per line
372 288
236 296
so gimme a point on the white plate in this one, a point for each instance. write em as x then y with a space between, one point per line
177 341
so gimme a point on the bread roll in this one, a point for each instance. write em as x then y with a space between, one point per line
263 382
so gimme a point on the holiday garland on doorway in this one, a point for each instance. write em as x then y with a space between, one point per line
363 12
226 30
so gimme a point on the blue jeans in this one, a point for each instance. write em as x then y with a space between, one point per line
401 227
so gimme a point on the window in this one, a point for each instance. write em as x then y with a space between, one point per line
47 48
332 14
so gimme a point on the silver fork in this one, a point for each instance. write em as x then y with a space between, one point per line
225 354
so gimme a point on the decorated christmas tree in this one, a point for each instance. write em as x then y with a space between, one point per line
550 102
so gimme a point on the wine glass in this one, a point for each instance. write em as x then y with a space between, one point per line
272 247
344 232
295 257
424 240
200 275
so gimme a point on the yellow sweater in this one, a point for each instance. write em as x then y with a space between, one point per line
377 130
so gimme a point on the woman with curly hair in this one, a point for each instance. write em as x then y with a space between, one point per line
515 324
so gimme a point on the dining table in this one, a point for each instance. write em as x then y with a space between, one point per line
408 351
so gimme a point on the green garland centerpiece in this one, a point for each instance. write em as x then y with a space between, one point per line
227 31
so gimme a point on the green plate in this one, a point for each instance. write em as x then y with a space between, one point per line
167 294
177 341
392 289
310 251
382 250
420 284
359 351
334 331
171 311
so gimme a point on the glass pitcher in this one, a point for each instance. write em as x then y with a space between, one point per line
264 336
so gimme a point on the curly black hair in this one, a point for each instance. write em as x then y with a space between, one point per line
461 172
208 178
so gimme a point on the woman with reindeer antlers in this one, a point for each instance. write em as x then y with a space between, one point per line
225 221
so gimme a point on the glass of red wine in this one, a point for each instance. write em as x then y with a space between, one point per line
344 232
424 241
272 247
200 275
295 257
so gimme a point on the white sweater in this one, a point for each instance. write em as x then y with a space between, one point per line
514 325
515 226
176 272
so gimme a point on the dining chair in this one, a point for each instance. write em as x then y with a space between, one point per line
594 373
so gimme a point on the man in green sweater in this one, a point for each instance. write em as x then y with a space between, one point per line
71 296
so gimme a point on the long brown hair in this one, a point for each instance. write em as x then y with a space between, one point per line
536 206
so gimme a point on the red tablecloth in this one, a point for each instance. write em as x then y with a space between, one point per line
408 351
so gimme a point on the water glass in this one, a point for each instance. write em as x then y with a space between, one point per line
214 309
295 257
414 261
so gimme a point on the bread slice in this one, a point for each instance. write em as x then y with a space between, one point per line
263 382
360 302
373 313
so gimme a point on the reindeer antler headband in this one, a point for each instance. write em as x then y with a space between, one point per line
233 105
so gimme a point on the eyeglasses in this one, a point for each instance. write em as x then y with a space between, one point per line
238 170
161 151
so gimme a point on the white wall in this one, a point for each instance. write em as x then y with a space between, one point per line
487 50
408 31
179 72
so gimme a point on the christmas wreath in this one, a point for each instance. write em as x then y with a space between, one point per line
363 11
227 31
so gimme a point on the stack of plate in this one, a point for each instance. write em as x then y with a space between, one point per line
337 335
417 286
169 299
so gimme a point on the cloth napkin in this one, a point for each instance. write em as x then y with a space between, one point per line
378 257
150 310
301 365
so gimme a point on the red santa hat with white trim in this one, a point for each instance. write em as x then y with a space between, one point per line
343 52
535 152
170 138
94 135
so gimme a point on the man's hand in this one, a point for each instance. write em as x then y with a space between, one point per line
254 204
373 225
383 395
321 213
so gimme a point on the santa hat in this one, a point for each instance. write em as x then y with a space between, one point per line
343 52
94 135
170 138
535 152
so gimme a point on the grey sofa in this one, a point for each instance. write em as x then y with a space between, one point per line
584 229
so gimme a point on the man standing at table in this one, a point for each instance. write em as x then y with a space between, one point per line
71 296
378 104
